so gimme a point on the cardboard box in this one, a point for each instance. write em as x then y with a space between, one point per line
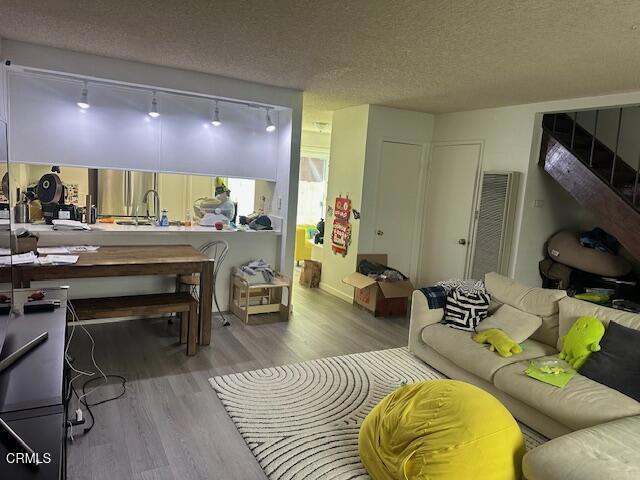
379 297
311 273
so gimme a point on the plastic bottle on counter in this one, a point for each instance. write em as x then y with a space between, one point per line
164 220
187 219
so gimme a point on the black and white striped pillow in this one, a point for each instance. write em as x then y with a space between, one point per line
466 309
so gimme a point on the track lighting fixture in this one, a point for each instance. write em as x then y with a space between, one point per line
153 113
270 126
215 119
83 103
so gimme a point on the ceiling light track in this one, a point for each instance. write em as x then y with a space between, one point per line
86 81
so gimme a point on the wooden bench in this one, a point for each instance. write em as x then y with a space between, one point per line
146 305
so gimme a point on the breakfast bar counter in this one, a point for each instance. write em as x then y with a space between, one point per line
243 247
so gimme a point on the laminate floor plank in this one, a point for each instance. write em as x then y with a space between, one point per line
170 423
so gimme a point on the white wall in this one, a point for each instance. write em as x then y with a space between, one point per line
387 124
60 60
511 137
346 174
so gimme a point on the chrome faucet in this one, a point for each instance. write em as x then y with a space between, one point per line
156 204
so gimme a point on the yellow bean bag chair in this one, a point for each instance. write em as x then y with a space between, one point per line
441 429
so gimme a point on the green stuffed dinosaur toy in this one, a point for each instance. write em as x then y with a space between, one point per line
499 341
583 338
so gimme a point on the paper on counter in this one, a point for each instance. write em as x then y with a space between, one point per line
64 250
19 259
82 249
48 250
5 251
58 259
69 225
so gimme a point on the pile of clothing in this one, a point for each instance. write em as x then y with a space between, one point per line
379 271
255 269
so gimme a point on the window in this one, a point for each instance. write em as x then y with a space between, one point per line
312 190
243 192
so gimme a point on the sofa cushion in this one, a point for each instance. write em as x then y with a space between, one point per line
458 347
537 301
582 403
572 308
617 364
518 325
464 309
605 451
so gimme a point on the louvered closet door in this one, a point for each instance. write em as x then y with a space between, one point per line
494 224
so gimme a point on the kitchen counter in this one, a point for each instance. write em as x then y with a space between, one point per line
144 229
244 246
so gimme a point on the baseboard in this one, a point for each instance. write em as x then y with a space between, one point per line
335 292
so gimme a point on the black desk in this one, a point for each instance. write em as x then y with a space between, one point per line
32 391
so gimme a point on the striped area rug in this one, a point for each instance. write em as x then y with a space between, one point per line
301 421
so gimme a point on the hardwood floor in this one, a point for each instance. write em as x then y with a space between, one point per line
170 424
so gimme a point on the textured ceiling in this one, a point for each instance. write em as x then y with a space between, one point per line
432 55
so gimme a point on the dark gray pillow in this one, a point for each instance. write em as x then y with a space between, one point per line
617 364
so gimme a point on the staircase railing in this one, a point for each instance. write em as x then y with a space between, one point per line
602 160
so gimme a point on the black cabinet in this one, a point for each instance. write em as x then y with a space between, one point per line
32 393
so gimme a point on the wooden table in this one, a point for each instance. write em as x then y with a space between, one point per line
120 261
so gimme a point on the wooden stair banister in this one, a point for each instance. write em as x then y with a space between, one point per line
614 214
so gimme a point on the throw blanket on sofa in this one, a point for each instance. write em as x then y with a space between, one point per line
436 296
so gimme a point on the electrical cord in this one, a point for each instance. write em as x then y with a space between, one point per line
88 405
82 399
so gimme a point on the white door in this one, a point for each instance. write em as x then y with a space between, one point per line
397 204
448 210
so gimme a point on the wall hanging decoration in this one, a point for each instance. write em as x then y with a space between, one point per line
341 232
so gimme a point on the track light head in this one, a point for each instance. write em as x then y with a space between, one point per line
215 119
153 113
83 103
270 126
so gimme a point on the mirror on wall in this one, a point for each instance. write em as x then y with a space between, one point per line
5 224
122 196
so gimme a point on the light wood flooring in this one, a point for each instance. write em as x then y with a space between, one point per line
170 424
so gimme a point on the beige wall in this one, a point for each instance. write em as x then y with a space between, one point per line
311 139
346 173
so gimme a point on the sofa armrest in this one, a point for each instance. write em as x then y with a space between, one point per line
421 316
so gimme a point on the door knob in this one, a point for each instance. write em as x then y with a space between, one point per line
379 233
462 241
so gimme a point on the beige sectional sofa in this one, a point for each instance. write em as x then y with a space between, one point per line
554 412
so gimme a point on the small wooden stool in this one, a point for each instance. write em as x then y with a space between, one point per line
246 299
